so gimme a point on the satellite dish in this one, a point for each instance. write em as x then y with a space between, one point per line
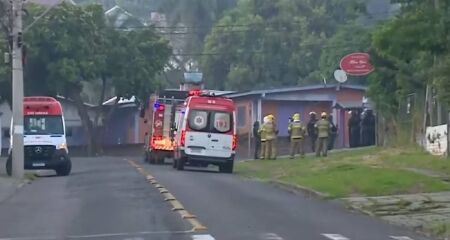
340 76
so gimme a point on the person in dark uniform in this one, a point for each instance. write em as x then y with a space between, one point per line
311 130
364 129
257 139
333 133
370 128
354 129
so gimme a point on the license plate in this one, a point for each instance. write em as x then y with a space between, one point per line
196 150
38 164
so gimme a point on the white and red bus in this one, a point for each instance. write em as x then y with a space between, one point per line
45 145
206 132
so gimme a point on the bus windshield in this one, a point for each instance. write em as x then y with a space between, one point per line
43 125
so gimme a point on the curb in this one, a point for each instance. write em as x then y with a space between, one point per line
297 188
313 154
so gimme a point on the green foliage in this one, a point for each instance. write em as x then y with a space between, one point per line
411 51
349 38
72 45
200 14
272 43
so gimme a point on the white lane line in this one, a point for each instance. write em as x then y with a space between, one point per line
333 236
401 238
203 237
272 236
103 235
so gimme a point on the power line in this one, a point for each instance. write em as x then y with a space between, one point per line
205 26
263 52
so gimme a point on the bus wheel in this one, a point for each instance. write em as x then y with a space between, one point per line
180 164
151 157
146 157
65 169
226 167
9 166
174 163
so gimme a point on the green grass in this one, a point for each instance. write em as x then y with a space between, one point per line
368 172
440 229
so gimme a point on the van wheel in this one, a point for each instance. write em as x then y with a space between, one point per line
226 167
161 158
65 169
180 164
151 157
174 163
9 165
146 157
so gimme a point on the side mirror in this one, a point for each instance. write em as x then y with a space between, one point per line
69 132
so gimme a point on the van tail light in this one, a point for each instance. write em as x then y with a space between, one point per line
234 144
183 138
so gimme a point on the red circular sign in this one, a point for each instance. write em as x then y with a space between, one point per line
357 64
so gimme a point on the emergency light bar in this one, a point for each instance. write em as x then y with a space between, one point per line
158 106
199 93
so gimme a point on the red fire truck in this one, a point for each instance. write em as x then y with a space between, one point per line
160 136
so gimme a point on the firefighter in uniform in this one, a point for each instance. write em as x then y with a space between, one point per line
297 133
262 136
323 129
271 138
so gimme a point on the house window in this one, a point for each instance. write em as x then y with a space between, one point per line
241 113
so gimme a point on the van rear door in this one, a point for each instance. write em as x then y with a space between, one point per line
197 137
221 137
210 135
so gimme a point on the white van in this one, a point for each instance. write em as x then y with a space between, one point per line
205 132
45 145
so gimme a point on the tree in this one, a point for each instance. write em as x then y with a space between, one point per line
349 38
407 45
73 45
272 43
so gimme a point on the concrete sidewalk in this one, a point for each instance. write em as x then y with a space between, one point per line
414 210
8 186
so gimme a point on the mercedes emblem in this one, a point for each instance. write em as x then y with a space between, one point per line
38 150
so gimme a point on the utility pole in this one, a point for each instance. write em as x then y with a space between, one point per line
17 90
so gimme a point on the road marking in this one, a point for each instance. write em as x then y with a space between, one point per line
401 238
334 236
203 237
168 197
272 236
130 235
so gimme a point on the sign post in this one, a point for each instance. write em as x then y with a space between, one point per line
448 136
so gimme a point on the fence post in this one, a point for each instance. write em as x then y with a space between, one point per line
448 136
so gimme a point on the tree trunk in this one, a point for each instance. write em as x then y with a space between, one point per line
85 121
106 120
97 128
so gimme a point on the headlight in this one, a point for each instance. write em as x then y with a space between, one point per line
62 146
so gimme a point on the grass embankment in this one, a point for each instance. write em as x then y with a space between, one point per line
365 172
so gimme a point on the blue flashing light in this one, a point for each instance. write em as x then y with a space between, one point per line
156 105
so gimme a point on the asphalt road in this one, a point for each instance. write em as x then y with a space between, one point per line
107 198
236 209
104 198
